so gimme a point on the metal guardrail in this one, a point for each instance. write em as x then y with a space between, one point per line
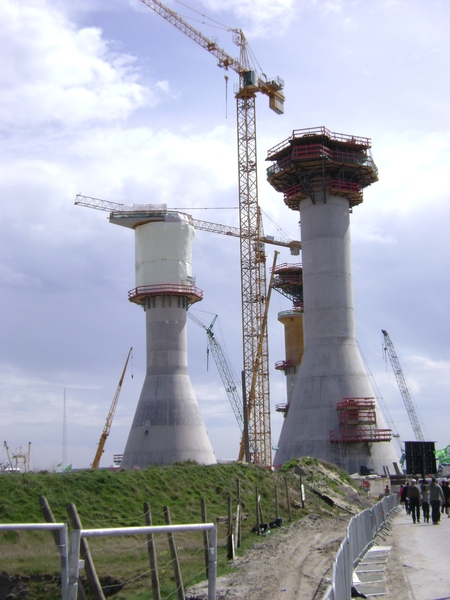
70 558
77 534
361 532
61 528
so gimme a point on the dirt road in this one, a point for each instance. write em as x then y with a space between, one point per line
291 564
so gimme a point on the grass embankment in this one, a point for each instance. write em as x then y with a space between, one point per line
116 499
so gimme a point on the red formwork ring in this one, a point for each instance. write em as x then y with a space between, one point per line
281 365
138 294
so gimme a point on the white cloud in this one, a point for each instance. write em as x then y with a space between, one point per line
57 75
266 17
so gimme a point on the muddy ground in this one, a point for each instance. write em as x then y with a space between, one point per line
295 563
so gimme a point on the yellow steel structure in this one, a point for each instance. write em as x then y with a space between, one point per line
245 447
252 253
109 418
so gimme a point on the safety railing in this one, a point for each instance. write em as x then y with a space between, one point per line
361 533
140 293
70 557
77 534
61 529
319 131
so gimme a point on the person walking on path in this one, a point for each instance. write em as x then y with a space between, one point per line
446 491
414 500
425 503
436 496
404 497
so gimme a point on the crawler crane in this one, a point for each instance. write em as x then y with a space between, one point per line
253 258
404 390
223 367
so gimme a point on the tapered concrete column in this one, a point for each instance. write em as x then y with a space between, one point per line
331 368
167 426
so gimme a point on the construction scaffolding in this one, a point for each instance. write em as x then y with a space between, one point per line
288 281
358 422
314 161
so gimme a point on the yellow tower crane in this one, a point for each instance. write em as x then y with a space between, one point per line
252 254
109 418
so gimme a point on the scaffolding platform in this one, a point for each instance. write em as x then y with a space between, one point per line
316 160
358 422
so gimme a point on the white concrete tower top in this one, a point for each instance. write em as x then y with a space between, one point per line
163 251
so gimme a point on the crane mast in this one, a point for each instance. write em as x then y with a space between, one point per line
252 254
404 390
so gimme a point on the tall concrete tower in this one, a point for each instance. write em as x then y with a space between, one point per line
167 425
332 411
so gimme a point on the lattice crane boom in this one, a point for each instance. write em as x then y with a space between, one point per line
111 207
109 418
404 390
225 373
243 67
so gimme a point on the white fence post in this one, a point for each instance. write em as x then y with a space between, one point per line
62 548
74 564
212 563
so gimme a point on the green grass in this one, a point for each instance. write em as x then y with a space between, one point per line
116 499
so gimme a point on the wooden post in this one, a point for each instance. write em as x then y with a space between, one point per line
49 518
173 552
287 498
277 513
91 574
258 529
205 537
261 516
152 554
230 541
238 514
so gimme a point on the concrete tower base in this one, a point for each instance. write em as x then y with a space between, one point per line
167 425
331 368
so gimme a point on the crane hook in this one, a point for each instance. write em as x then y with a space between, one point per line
226 96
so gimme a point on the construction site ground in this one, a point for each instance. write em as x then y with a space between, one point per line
295 562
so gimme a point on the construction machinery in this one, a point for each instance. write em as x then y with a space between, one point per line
109 418
247 451
224 369
228 230
404 390
19 461
253 263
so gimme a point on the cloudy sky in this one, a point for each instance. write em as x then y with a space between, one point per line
109 100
